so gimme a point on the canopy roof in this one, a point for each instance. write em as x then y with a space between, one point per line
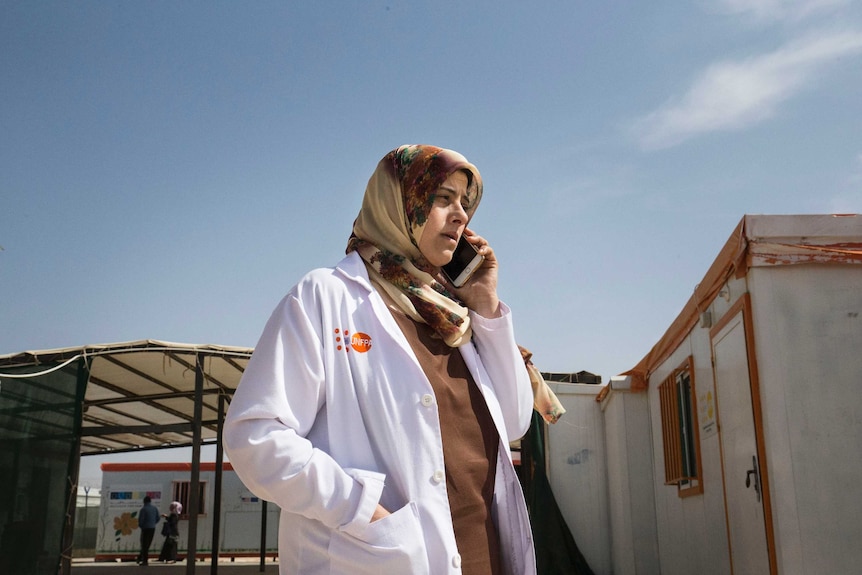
140 395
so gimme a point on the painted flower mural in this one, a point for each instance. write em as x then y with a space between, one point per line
124 524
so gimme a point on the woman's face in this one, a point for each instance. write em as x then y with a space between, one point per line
446 220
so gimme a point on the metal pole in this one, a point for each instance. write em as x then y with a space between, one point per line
194 484
263 536
86 505
219 464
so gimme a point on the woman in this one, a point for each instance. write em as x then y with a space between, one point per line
377 408
171 531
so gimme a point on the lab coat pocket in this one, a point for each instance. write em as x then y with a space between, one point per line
394 544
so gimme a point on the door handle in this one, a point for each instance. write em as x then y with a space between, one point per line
755 471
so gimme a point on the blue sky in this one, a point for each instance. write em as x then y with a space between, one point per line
169 170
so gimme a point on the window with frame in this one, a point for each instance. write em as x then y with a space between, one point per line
680 431
182 490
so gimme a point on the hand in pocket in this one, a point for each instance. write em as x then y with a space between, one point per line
391 544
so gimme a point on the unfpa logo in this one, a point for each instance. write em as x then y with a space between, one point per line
358 342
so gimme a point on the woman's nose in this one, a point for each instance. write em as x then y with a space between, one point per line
459 214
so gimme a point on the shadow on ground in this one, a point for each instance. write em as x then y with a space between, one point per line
225 567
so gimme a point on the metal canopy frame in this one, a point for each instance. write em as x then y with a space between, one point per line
145 395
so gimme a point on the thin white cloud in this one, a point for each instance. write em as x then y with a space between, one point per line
734 95
780 10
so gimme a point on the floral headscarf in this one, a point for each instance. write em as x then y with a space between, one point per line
386 234
397 201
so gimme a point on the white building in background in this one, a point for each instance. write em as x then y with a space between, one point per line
735 445
124 486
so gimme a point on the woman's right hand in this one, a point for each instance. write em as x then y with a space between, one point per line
480 292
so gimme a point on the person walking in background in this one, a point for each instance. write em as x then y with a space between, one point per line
171 531
377 408
148 516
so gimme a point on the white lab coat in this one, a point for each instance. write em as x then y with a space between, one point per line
334 414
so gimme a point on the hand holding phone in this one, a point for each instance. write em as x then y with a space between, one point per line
465 261
480 292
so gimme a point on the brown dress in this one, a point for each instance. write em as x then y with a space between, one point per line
470 445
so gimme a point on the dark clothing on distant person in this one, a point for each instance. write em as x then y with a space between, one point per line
146 541
148 516
171 531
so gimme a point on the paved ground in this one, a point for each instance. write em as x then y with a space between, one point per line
225 567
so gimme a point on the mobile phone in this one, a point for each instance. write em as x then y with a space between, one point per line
465 261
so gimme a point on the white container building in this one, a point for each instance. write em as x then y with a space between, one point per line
124 486
735 445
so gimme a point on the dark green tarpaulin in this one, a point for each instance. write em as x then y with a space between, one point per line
556 550
39 434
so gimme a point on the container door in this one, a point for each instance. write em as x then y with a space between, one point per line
743 489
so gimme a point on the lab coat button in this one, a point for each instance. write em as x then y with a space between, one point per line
427 399
439 476
456 561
